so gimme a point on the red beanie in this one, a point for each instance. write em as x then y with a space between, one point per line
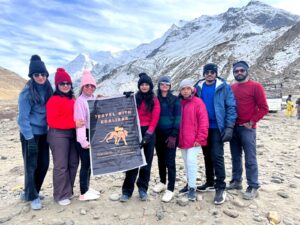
61 76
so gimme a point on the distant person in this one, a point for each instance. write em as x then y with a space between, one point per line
81 112
62 137
148 108
290 109
167 132
33 130
289 98
251 107
220 104
298 108
192 134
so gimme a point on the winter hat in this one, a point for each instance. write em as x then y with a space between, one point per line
144 78
36 65
87 78
210 66
164 79
61 75
186 83
240 64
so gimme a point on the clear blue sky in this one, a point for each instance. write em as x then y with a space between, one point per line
59 30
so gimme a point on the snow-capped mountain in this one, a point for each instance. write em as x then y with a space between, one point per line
266 37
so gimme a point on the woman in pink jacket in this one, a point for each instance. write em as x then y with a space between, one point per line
192 134
81 113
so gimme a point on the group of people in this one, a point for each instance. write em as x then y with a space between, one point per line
202 117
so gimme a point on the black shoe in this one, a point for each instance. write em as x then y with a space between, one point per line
206 187
143 195
235 185
124 198
250 193
185 189
192 194
220 196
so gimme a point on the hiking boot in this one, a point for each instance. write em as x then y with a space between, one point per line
159 187
185 189
206 187
250 193
64 202
88 196
36 204
234 185
192 194
143 195
220 196
167 196
124 198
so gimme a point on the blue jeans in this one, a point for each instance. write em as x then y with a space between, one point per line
190 158
214 159
244 139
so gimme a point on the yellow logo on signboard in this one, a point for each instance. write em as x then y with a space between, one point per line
118 134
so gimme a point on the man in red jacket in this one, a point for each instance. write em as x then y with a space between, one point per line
251 106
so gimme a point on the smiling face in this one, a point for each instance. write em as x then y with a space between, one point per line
65 86
88 89
240 74
39 78
164 87
210 76
144 87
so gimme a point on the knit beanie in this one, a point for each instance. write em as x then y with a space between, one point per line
87 78
164 79
144 78
36 65
186 83
210 66
242 64
61 76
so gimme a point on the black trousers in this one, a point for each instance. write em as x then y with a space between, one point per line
166 159
214 159
85 167
143 173
36 164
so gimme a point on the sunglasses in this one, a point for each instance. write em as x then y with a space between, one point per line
240 70
165 83
210 72
39 74
65 84
89 86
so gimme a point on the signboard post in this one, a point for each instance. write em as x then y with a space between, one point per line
115 135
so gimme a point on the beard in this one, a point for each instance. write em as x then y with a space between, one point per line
241 77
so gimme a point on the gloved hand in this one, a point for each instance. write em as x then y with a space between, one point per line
146 139
127 93
227 135
32 146
171 142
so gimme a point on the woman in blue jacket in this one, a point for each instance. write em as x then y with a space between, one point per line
33 130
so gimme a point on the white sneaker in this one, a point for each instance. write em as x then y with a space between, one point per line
167 196
64 202
94 191
159 187
88 196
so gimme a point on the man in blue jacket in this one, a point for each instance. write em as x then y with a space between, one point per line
221 108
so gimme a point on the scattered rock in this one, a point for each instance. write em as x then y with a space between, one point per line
283 194
238 203
293 185
273 217
5 219
159 214
288 221
82 212
3 157
182 201
231 213
124 216
114 197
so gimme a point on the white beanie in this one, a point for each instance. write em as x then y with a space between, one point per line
186 83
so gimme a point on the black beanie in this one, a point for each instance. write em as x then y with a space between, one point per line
37 66
210 66
242 64
144 78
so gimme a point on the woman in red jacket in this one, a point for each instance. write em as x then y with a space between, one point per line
149 111
62 137
193 133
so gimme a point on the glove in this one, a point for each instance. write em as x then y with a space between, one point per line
146 139
32 146
127 93
227 135
171 142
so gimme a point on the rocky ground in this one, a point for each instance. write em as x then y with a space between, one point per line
278 150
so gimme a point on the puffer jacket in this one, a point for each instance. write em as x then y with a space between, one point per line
194 123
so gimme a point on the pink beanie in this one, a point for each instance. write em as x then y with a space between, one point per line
87 78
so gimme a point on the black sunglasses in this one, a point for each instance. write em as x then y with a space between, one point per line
39 74
209 72
240 70
65 84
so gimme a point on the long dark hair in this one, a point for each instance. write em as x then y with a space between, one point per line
69 95
147 97
34 96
